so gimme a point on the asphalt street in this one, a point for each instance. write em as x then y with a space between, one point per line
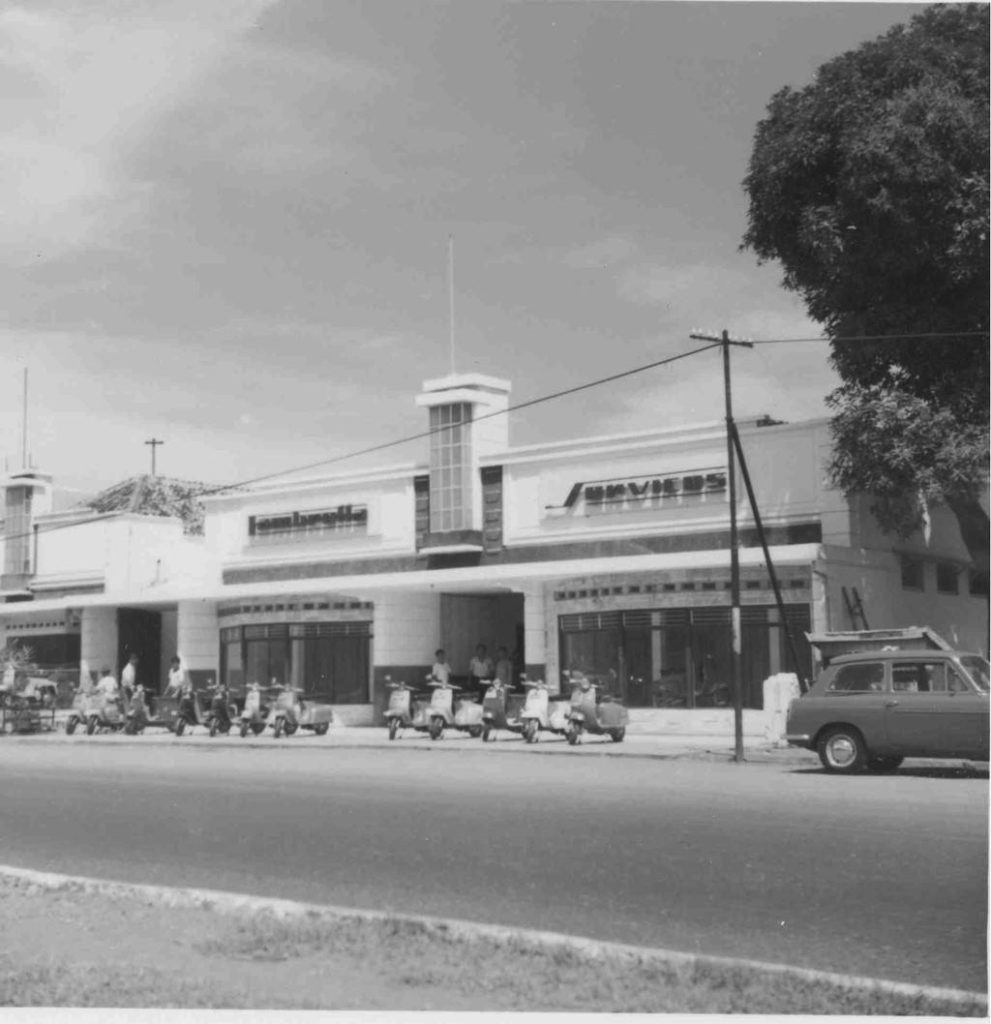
884 876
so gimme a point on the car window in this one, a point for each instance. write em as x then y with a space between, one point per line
977 669
862 677
919 677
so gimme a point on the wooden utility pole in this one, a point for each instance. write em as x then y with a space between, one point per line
154 442
736 661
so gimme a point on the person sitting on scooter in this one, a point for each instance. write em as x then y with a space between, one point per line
440 671
178 678
504 668
107 686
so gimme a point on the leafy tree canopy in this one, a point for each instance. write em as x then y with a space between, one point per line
870 186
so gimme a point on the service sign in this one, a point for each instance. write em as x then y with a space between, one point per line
635 494
342 519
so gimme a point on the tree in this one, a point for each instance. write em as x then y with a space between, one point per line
870 186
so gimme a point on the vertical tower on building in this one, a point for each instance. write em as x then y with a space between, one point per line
27 494
465 426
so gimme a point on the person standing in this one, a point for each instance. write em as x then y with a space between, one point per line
178 678
129 677
504 668
107 686
441 671
480 669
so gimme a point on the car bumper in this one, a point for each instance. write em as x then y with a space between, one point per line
798 739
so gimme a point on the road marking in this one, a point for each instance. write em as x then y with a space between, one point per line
232 903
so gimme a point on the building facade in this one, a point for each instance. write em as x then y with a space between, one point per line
605 555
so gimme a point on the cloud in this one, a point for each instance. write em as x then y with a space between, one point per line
81 86
604 253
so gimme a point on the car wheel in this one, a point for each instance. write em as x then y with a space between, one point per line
70 725
436 728
321 729
841 749
880 765
531 730
616 735
393 728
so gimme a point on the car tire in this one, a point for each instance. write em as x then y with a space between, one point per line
842 750
882 765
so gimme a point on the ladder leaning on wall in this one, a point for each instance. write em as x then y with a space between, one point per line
855 608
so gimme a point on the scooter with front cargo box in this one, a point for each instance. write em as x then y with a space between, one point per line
593 712
445 711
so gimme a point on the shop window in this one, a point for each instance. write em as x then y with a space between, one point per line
913 573
979 583
947 578
450 468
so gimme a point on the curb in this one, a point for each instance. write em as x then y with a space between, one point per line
467 931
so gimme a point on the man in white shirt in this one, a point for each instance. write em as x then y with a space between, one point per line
107 685
128 678
178 679
441 671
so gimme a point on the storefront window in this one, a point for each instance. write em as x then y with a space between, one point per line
681 657
326 660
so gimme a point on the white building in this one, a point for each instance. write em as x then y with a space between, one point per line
608 554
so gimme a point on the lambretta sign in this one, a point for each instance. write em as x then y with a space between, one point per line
344 518
637 493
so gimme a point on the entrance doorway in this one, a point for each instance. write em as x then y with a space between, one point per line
140 632
495 620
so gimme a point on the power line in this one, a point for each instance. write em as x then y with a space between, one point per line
873 337
436 430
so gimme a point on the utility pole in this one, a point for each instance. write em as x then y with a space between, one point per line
736 660
154 442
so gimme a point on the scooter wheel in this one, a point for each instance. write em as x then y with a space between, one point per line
321 729
180 726
436 728
70 725
531 731
486 734
258 728
280 725
91 726
393 728
244 729
616 735
213 727
475 733
574 734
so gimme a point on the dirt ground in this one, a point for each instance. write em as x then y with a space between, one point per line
70 948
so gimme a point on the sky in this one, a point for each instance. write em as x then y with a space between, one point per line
225 225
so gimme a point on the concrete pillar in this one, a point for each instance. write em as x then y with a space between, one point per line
98 642
535 633
779 691
198 639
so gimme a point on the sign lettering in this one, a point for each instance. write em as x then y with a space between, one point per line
350 518
647 492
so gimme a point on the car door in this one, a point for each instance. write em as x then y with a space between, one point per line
932 711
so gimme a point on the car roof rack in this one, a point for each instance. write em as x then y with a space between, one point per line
907 638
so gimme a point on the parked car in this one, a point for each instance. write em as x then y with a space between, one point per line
875 708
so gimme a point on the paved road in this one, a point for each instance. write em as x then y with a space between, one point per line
880 876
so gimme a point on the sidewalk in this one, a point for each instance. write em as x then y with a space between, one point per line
699 746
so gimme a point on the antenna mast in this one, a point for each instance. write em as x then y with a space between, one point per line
450 290
24 424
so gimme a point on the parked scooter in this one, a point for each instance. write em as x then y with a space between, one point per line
190 712
500 710
104 714
447 712
540 713
254 715
83 702
406 708
290 712
222 712
594 713
137 712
